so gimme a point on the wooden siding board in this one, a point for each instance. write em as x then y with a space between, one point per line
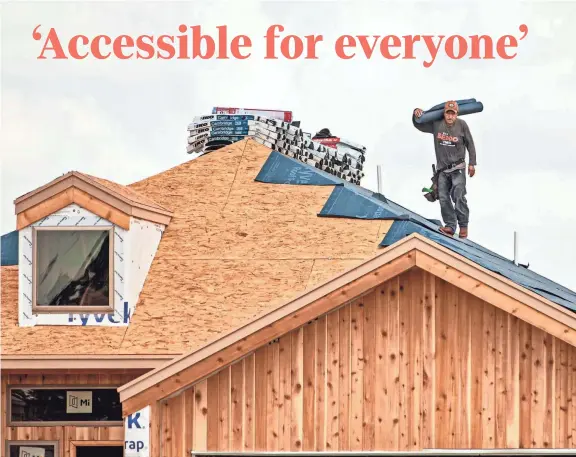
332 381
369 371
249 396
356 374
201 416
285 394
320 384
260 399
309 371
237 377
344 377
405 360
297 386
428 365
212 433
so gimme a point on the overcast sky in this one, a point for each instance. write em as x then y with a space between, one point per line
126 120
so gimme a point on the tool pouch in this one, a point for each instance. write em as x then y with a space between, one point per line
433 196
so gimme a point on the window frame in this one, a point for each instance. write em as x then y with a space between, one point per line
73 309
33 443
74 444
11 423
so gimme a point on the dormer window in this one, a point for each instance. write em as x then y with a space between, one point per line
73 269
85 246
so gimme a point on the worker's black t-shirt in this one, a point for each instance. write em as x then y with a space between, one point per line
450 142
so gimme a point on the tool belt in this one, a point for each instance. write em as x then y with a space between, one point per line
433 195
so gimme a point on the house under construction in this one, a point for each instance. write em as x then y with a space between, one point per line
246 302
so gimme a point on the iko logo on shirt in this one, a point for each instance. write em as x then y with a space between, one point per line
447 140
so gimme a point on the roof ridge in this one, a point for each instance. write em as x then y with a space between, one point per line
147 200
199 157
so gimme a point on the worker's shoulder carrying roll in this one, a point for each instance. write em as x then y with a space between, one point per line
468 106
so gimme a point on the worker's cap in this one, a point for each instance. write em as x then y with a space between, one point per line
452 105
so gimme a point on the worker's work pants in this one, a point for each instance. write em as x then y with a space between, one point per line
452 187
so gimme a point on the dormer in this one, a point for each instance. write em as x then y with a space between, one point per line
85 246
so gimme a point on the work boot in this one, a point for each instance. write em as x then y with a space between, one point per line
463 232
447 231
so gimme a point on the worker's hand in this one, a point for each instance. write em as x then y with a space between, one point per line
471 170
418 112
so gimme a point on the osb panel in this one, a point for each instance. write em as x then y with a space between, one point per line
48 339
234 247
324 269
62 434
125 191
207 298
414 364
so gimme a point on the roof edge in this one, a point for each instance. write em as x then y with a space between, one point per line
73 362
515 290
92 187
89 195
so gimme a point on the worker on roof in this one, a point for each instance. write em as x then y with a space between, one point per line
451 138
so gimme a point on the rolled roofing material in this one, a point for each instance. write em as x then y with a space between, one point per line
437 114
465 101
281 169
341 158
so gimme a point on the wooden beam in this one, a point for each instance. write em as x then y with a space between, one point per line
472 280
102 209
45 208
90 362
67 197
207 360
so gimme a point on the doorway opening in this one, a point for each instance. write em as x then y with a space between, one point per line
97 449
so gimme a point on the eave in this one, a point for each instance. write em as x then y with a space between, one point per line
31 363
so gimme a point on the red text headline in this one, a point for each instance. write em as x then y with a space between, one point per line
193 43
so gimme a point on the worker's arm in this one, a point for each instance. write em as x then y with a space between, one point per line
469 143
426 127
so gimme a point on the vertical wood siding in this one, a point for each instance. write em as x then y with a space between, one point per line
67 433
415 363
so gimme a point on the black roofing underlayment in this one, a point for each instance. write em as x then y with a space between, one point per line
352 201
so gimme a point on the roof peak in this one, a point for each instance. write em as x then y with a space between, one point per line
89 192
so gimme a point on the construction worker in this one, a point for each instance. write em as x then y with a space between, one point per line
451 138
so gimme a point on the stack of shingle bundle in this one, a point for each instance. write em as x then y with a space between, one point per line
226 126
276 130
333 155
214 131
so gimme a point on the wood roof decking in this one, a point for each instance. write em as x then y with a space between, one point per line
126 192
234 247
